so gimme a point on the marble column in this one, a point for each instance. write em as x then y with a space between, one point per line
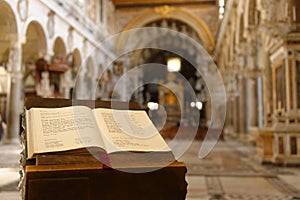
266 85
80 85
14 94
124 91
260 102
242 106
208 111
252 108
92 86
234 105
230 115
228 119
235 114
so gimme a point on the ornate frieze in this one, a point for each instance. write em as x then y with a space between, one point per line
164 11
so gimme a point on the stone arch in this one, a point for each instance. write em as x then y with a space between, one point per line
42 24
90 77
36 43
68 78
8 29
34 49
77 61
175 13
90 67
59 47
10 56
9 35
33 19
58 64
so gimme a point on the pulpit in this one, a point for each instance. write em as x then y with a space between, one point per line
83 177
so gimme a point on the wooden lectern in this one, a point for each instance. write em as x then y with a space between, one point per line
91 180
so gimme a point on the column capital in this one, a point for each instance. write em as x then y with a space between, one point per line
15 56
267 9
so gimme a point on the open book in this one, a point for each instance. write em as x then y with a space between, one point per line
54 130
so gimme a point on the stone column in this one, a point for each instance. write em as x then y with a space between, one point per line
80 85
242 106
92 86
235 114
228 119
251 101
266 85
14 94
124 91
208 111
231 114
230 88
234 105
48 56
260 102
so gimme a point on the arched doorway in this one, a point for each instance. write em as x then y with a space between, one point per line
9 109
76 62
33 52
91 78
60 64
68 79
165 37
59 48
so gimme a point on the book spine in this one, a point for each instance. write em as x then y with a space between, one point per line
22 173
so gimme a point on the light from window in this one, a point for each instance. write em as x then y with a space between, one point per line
174 64
222 3
221 8
152 105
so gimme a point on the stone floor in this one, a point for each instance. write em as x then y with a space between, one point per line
229 172
9 172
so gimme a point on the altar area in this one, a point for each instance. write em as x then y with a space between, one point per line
171 97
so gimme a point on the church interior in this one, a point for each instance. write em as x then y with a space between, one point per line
220 79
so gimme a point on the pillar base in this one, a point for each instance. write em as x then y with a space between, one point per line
11 141
264 139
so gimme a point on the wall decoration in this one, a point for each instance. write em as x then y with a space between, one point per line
164 11
118 68
84 48
70 38
50 24
23 9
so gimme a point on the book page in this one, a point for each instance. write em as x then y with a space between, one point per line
60 129
128 130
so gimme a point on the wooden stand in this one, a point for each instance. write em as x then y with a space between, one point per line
93 181
79 182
